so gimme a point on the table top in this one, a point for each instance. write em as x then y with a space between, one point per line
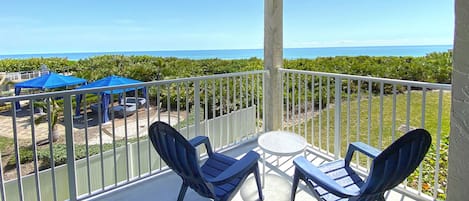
282 143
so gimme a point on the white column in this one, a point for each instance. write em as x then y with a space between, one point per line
458 173
273 60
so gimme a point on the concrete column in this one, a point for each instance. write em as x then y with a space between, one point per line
273 60
458 178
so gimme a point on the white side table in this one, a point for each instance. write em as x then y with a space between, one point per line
280 143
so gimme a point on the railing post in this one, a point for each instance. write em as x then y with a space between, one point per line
197 107
337 116
68 122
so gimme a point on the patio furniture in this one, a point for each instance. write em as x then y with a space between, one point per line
280 143
94 108
124 110
336 180
218 178
118 109
140 102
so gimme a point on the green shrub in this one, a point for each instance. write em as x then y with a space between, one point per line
434 67
54 64
25 154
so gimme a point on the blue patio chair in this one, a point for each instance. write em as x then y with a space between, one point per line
337 181
218 178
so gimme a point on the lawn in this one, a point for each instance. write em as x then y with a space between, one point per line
5 143
368 130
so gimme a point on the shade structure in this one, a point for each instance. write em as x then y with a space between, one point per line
105 95
47 81
50 81
111 81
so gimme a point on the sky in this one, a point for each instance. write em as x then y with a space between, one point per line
58 26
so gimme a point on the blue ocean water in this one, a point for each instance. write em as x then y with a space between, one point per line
289 53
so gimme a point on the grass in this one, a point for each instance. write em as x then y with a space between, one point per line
5 143
368 130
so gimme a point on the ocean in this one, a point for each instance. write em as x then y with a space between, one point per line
288 53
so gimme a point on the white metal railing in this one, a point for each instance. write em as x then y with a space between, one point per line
332 110
102 156
23 75
329 110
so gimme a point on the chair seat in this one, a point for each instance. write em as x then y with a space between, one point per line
344 176
214 166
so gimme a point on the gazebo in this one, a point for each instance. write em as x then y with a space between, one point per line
105 95
47 81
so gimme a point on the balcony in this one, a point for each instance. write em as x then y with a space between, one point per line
115 161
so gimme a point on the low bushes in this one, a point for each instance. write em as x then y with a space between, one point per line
55 64
434 67
60 154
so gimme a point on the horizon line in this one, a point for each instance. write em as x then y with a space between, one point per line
178 50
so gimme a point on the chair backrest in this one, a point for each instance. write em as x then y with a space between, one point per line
397 162
180 156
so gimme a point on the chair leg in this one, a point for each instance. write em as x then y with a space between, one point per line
258 182
381 198
182 192
296 180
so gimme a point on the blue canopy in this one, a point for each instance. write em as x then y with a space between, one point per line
47 81
105 95
50 81
111 81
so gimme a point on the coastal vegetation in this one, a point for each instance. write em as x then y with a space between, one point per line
434 67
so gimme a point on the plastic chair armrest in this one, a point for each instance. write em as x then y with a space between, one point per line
243 166
313 174
363 148
198 140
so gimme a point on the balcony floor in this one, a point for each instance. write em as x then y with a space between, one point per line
165 186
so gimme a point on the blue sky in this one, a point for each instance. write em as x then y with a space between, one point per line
31 26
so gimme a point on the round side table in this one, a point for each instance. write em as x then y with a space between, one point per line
280 143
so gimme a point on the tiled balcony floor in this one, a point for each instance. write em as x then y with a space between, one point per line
165 186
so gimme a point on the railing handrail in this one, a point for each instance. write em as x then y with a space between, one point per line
373 79
126 86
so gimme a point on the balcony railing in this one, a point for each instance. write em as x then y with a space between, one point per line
24 75
329 110
101 156
333 110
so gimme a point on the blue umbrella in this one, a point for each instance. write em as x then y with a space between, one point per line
105 82
47 81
